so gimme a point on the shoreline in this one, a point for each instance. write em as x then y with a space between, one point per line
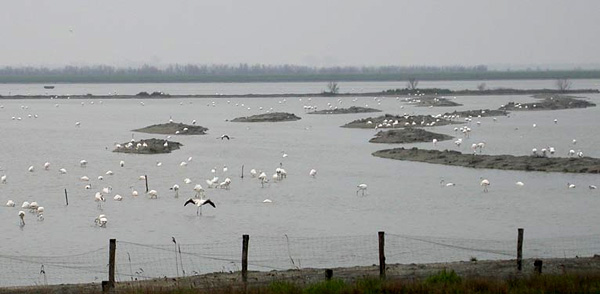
388 93
492 269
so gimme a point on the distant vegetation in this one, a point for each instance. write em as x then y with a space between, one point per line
274 73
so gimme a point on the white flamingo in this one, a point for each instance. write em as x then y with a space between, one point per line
361 187
176 189
153 194
101 221
313 173
484 183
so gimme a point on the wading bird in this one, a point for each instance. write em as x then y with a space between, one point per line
199 203
361 187
484 183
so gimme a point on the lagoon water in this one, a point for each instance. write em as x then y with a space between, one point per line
402 197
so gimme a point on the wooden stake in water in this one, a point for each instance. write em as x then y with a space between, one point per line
242 171
66 197
146 178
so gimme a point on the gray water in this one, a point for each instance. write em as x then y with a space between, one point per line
402 197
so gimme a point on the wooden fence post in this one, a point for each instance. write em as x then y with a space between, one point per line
66 197
381 254
245 239
146 178
520 249
111 262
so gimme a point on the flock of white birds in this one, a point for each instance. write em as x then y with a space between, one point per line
279 174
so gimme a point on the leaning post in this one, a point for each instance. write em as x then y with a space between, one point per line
111 263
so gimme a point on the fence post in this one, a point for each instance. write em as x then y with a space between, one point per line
520 249
245 239
111 262
381 254
66 197
146 178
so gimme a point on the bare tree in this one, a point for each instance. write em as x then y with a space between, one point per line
412 83
481 87
333 88
563 84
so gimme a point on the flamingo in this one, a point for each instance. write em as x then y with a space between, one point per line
3 179
101 221
30 169
571 186
152 194
199 203
520 184
592 187
199 191
47 165
40 213
118 197
187 181
62 171
225 184
484 183
253 173
361 187
176 189
267 201
134 193
10 203
22 217
263 179
83 163
313 173
122 163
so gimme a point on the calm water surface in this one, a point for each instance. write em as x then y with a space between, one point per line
402 197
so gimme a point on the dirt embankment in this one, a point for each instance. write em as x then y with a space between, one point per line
477 113
268 117
397 121
408 135
148 146
352 109
173 128
492 269
549 102
428 101
507 162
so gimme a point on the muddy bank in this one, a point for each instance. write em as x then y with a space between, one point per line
148 146
549 102
397 121
172 128
432 102
268 117
408 135
477 113
494 269
352 109
506 162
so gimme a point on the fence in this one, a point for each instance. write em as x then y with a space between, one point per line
136 261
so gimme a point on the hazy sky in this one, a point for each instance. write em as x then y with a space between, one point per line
304 32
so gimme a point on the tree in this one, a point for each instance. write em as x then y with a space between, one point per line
563 84
333 88
481 87
412 83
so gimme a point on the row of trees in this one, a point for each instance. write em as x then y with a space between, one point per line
240 69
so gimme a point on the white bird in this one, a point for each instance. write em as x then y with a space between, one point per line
62 171
267 201
484 183
99 197
312 173
101 221
361 187
187 181
253 173
592 187
47 165
199 191
118 197
183 163
10 203
107 190
519 183
263 179
22 217
571 186
199 202
25 204
84 178
100 178
3 179
77 124
176 189
122 163
83 163
40 213
225 168
225 184
574 141
30 169
109 173
152 194
434 142
88 186
158 163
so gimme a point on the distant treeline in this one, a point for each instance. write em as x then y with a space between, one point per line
269 73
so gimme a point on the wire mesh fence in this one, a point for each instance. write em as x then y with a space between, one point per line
136 261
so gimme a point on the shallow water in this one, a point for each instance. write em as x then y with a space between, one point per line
402 197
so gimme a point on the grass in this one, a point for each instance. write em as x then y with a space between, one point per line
441 282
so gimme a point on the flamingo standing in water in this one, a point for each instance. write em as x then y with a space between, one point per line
361 187
199 202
